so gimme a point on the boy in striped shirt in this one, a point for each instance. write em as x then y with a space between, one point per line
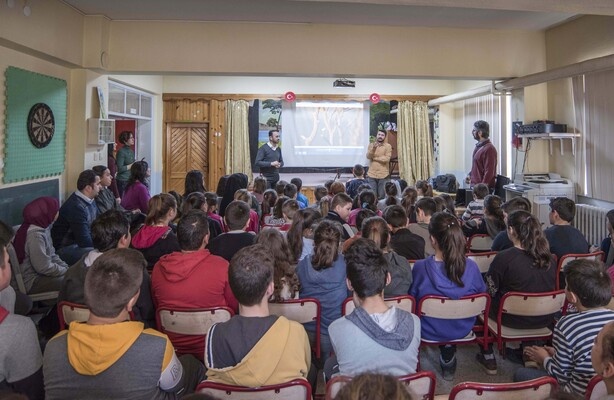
569 360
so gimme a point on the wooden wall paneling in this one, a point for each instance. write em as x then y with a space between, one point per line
217 142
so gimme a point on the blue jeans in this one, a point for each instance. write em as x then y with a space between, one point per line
73 253
378 186
526 374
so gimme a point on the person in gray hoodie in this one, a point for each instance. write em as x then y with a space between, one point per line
374 337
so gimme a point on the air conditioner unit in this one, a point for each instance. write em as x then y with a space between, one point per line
344 83
100 131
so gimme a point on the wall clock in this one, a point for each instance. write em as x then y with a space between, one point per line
41 125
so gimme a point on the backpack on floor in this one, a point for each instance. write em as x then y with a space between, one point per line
445 183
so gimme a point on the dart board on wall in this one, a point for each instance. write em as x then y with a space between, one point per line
41 125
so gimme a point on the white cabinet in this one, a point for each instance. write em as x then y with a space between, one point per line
100 131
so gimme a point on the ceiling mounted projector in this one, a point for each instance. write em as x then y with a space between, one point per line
344 83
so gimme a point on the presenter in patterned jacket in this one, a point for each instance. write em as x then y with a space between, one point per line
269 159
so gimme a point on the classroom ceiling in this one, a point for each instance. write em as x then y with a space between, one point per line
485 14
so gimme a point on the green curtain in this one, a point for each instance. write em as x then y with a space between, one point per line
414 145
237 140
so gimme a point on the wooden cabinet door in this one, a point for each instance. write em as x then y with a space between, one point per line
185 150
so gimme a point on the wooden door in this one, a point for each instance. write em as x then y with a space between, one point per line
185 150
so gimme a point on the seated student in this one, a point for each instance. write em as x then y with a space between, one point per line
491 223
362 215
254 219
569 360
376 229
255 348
291 192
211 199
319 192
602 356
110 230
194 182
20 353
340 208
71 231
475 208
284 275
448 273
191 278
288 209
502 241
156 238
391 198
136 195
336 187
110 356
425 208
300 234
260 186
424 189
322 276
300 197
374 386
351 186
279 187
198 201
374 337
268 209
527 266
42 269
448 202
237 221
366 200
403 241
408 202
106 199
562 236
606 244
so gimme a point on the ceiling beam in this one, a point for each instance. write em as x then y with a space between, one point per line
587 7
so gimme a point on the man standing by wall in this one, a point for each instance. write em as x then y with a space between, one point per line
484 165
269 159
379 154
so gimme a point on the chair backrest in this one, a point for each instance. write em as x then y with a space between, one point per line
297 389
407 303
446 308
479 242
69 312
536 389
596 389
483 260
302 311
17 278
191 322
420 385
566 259
532 304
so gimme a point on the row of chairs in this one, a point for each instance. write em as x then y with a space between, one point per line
197 322
420 385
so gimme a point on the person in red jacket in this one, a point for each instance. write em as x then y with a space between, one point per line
191 278
484 165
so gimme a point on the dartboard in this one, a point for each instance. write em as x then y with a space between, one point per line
41 125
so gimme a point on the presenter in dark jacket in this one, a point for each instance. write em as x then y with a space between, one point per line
269 159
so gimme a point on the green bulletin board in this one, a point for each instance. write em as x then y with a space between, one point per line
24 161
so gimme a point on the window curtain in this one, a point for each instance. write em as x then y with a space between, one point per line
597 138
237 140
415 147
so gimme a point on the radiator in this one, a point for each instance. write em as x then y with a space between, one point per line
592 222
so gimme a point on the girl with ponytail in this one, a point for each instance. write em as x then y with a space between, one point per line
447 273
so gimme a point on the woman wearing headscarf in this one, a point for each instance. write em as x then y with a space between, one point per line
42 269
